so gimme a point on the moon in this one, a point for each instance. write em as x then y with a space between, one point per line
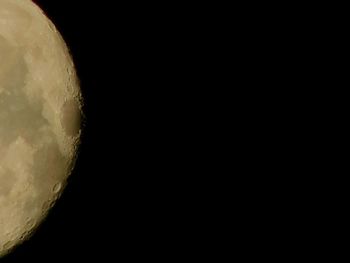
40 113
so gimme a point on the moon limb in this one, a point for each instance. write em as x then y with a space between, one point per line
40 108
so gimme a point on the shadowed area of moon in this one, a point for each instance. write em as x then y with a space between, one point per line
39 119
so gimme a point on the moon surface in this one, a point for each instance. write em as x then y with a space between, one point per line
40 109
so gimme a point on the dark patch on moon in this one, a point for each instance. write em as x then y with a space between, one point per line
71 118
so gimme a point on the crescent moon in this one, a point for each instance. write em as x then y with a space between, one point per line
40 112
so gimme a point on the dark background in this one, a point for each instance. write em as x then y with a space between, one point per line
97 214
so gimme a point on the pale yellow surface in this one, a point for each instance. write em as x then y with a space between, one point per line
39 119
